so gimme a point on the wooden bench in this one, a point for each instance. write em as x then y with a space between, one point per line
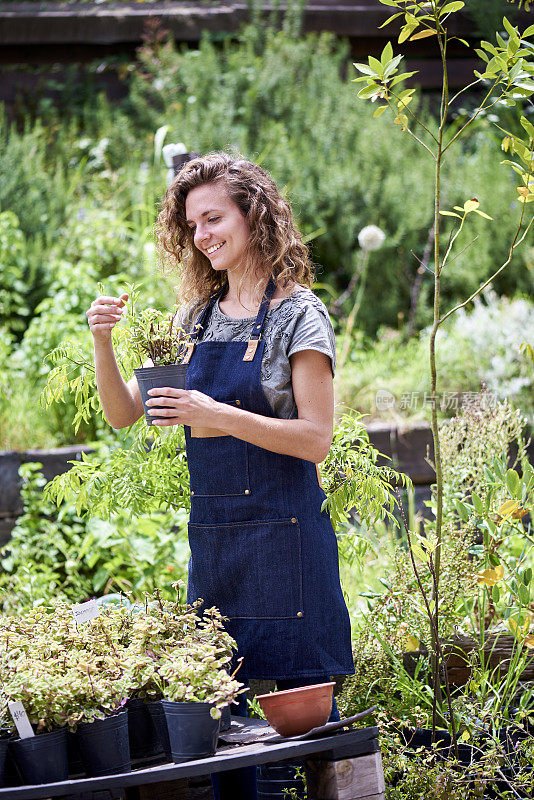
342 766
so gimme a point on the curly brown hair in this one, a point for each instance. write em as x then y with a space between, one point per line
275 246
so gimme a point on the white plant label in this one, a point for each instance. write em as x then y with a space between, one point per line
83 612
20 718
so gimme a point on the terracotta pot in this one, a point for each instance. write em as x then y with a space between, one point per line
296 711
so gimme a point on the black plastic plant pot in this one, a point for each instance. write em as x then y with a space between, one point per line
3 754
193 732
76 769
173 375
144 741
42 758
275 781
226 719
104 745
422 737
155 710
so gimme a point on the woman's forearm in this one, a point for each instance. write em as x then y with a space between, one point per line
301 438
118 403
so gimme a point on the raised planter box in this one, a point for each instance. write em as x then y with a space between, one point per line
54 462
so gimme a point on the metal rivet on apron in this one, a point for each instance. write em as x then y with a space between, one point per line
192 493
299 614
294 520
247 491
238 402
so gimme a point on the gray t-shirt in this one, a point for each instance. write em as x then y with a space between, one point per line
295 323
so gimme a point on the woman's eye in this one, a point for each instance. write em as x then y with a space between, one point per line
213 219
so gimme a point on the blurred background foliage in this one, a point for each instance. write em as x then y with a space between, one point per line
81 178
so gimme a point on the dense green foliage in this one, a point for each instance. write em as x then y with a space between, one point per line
55 553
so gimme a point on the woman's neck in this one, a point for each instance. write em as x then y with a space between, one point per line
243 294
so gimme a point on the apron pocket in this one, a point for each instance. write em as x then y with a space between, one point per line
249 570
218 466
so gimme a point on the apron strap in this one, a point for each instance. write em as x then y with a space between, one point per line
201 324
259 322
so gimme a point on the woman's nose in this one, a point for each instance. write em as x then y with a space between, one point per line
201 235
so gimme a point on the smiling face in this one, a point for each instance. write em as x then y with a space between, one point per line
220 229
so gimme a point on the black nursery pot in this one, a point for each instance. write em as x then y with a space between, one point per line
193 733
173 375
155 710
422 737
104 746
42 758
274 781
144 741
3 753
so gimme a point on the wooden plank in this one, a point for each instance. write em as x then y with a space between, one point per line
348 779
232 757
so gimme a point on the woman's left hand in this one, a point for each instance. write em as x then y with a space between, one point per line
182 407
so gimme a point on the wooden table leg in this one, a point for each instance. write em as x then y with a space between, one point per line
360 778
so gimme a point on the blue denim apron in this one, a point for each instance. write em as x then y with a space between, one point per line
261 549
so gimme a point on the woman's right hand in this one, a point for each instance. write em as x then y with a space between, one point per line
104 314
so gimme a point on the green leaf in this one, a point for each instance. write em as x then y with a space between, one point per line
528 32
512 481
387 54
511 31
477 503
390 19
365 68
406 32
527 576
494 559
450 8
462 510
495 594
376 65
523 594
368 91
528 126
379 111
422 35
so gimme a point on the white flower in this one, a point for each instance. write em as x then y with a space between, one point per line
170 150
371 238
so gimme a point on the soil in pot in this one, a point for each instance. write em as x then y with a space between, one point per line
144 741
193 732
173 375
42 758
104 745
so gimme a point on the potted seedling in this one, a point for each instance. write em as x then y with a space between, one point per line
158 336
41 753
196 687
182 658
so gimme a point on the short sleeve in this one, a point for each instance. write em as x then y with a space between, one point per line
313 331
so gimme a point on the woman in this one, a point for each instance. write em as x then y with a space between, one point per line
258 416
